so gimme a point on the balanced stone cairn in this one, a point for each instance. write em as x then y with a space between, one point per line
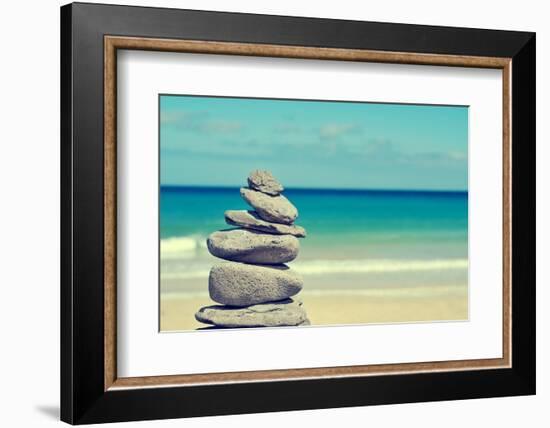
255 286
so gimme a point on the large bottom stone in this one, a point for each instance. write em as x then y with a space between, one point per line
240 284
277 314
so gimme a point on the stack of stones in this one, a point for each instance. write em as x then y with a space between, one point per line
254 286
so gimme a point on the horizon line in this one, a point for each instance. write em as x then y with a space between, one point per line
329 189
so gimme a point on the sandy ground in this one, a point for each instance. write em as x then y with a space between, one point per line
342 306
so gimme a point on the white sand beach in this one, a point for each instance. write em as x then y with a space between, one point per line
350 303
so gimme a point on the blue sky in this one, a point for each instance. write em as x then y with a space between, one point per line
216 141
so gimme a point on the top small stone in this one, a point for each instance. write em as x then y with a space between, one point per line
263 181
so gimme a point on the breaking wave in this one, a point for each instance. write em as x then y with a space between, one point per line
181 246
324 267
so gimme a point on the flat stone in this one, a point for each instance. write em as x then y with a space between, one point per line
251 220
250 246
276 209
263 181
240 284
277 314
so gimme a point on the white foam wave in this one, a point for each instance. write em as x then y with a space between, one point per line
320 267
324 267
181 246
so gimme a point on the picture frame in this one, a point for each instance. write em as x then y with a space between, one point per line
91 390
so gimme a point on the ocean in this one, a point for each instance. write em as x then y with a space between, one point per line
356 239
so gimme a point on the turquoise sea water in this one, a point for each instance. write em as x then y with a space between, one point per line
348 231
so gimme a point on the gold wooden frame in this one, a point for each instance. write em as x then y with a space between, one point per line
113 43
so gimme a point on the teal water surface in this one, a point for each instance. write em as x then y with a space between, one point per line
339 223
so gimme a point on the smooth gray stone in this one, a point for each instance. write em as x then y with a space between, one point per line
276 314
221 327
251 220
277 209
263 181
240 284
249 246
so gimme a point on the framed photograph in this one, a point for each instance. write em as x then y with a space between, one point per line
266 213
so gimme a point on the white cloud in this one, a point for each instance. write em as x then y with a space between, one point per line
199 121
335 130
